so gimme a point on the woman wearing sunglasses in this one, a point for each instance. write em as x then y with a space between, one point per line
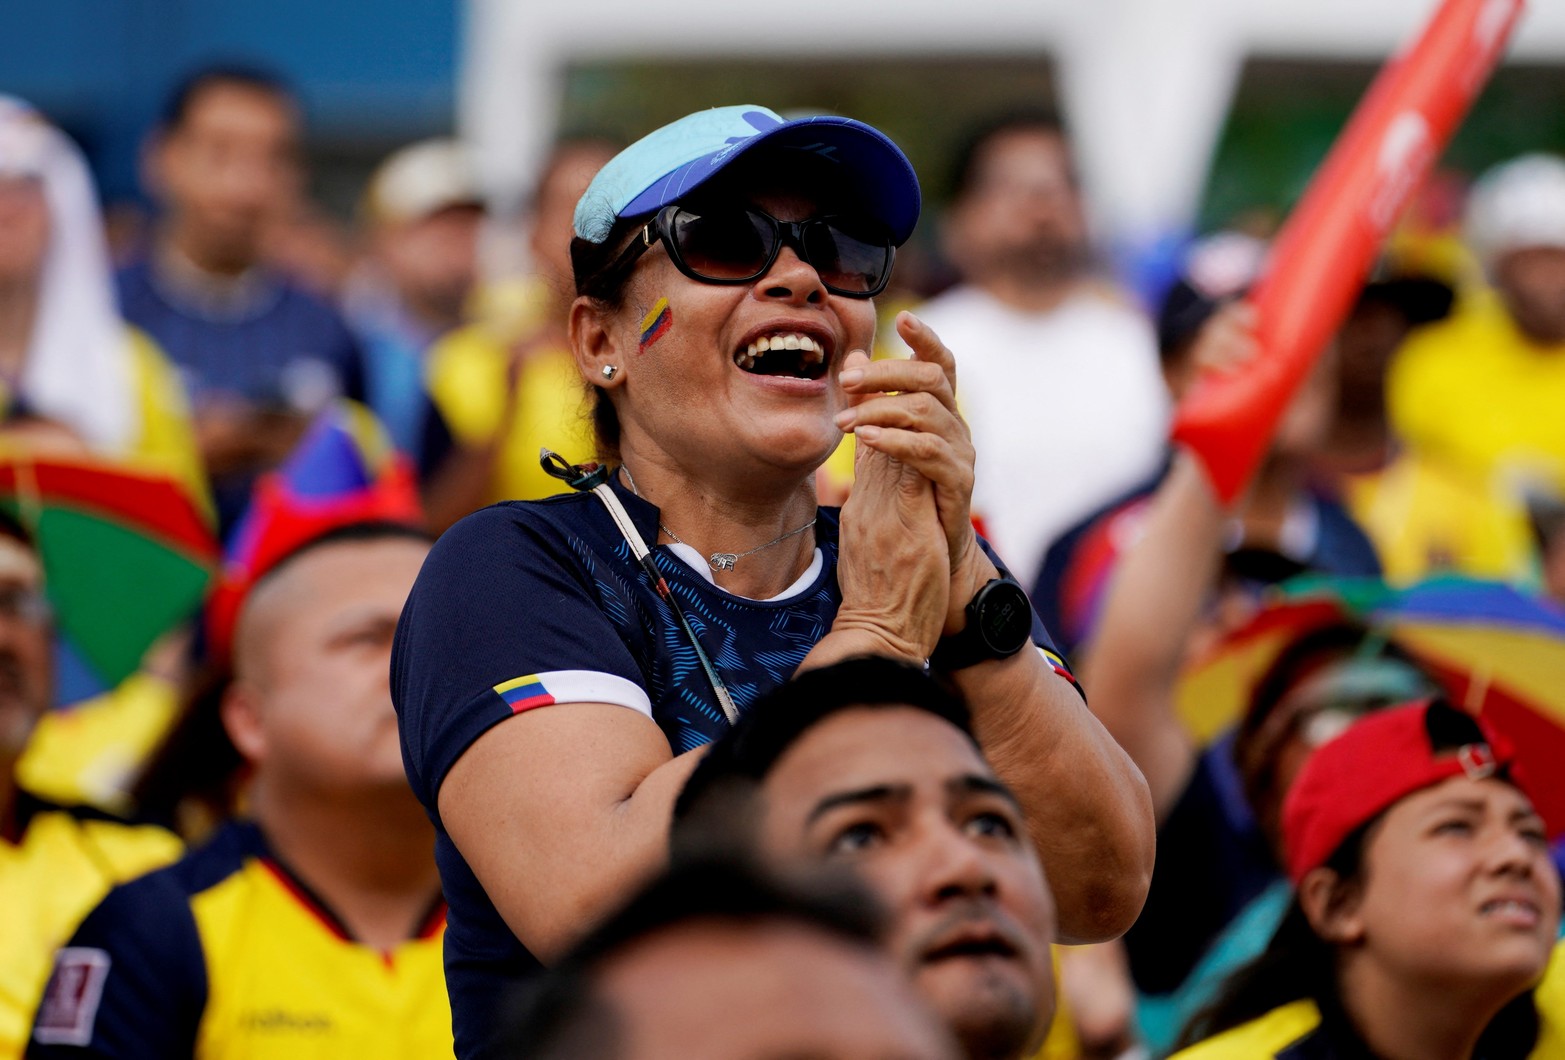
560 663
1426 910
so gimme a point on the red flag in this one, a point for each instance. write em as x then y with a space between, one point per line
1325 250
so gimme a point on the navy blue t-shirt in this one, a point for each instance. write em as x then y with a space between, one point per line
288 349
1073 581
532 603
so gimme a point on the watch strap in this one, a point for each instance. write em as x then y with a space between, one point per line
969 647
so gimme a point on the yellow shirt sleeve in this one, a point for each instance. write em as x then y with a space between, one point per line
467 379
167 441
1260 1038
92 751
60 870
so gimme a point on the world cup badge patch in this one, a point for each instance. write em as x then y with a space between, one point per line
70 1001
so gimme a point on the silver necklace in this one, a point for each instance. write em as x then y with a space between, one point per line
719 561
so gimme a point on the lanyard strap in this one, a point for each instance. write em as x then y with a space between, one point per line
594 479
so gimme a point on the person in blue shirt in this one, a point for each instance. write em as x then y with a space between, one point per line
560 663
259 354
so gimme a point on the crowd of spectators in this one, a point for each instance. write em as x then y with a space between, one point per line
781 797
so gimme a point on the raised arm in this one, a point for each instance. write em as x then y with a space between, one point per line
1156 595
1085 801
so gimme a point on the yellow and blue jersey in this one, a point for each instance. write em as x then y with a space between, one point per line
227 953
55 865
1297 1031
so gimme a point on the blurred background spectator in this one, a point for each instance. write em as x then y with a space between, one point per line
1059 380
422 213
1480 394
75 377
258 352
56 861
320 906
507 384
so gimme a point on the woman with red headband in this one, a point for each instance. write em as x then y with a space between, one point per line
1427 906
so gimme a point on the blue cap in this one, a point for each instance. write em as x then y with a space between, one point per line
669 163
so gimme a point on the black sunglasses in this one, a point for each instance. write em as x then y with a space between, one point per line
738 245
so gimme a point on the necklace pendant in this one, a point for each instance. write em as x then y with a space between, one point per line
720 561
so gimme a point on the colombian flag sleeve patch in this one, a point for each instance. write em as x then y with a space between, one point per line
524 693
1057 663
572 686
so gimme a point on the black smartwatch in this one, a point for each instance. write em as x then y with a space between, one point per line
999 624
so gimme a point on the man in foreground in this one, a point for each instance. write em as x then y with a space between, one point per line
870 767
714 960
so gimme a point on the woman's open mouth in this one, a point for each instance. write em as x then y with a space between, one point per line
789 354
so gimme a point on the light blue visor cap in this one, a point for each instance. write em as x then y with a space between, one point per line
669 163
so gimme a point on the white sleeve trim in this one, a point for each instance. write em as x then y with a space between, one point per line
573 686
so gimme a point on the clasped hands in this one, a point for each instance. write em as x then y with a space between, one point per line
910 560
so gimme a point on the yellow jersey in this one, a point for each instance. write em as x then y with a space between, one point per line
227 954
1474 393
1427 518
60 864
468 377
1294 1031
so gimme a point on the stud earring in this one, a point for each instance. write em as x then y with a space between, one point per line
610 371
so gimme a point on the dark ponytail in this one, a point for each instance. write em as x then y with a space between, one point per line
1296 964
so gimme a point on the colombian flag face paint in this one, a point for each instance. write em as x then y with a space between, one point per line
656 323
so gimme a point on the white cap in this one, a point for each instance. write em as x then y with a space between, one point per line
1517 205
422 179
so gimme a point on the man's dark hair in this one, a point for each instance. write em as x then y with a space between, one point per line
562 1016
964 167
741 758
182 98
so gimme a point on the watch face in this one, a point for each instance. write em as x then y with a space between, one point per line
1005 617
